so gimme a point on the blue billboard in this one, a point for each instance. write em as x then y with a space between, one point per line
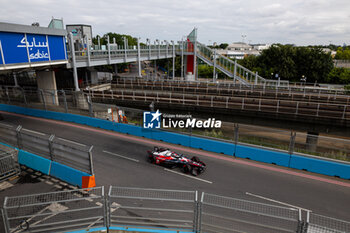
30 48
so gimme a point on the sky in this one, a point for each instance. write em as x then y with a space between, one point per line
300 22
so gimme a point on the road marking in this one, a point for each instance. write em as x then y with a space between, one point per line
4 185
76 143
135 160
6 125
32 131
275 201
193 177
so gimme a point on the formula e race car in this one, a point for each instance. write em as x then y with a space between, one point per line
170 159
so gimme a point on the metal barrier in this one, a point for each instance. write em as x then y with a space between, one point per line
56 211
224 214
153 208
150 209
323 224
72 154
8 162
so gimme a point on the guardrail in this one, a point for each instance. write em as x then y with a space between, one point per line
155 210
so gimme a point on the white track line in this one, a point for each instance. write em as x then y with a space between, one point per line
76 143
32 131
193 177
275 201
135 160
6 125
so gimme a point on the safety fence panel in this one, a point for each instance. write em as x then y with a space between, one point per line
56 211
152 208
35 142
226 215
322 224
8 162
8 134
73 154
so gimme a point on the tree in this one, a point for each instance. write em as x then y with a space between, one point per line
343 53
119 38
291 62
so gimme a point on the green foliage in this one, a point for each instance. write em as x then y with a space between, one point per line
339 76
291 62
205 71
119 38
343 53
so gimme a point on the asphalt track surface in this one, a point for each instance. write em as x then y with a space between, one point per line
120 160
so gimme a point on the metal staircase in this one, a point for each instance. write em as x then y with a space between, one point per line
232 68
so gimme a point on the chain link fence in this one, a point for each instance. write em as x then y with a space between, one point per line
322 224
150 209
224 214
56 211
9 166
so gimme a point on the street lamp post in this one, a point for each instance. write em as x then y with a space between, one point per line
303 79
278 78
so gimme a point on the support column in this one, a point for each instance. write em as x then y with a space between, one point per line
75 72
139 58
46 81
173 60
214 65
311 141
182 58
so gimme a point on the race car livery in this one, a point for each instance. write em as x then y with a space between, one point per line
171 159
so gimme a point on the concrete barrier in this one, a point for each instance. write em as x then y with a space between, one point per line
320 166
212 145
262 155
68 174
35 162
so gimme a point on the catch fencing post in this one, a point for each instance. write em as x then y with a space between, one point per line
195 213
5 218
51 138
235 137
90 160
65 101
292 142
89 100
24 96
19 137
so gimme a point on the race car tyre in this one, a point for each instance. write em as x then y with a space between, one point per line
195 171
150 159
186 168
195 159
